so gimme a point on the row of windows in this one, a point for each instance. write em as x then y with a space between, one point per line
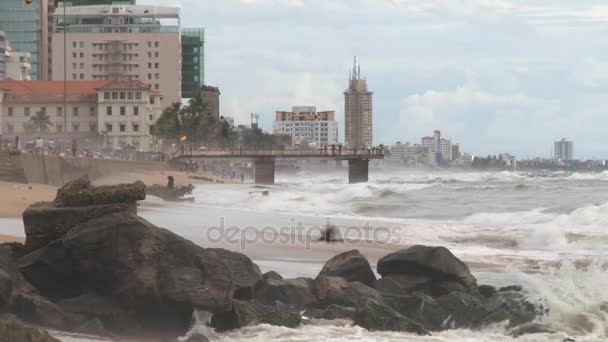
122 110
58 127
116 58
59 111
122 95
122 127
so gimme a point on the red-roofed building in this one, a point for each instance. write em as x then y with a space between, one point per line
120 111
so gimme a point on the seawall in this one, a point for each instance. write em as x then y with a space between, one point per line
54 170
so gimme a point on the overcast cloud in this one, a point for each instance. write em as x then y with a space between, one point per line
494 75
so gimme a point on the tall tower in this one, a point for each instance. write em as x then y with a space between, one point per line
358 111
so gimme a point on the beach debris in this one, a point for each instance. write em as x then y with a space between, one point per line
332 234
171 192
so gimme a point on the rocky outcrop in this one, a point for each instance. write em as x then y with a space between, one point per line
12 331
80 193
375 316
351 266
300 291
437 263
246 313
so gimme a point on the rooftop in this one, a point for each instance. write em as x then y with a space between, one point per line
134 11
53 91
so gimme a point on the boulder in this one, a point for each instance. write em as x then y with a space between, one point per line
403 283
300 291
487 291
352 266
6 289
151 272
272 275
12 331
37 310
375 316
332 312
246 313
80 193
94 308
46 222
331 290
437 263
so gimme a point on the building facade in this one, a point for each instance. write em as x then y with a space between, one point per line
120 43
307 126
69 3
26 27
564 150
13 65
358 111
120 112
193 61
211 100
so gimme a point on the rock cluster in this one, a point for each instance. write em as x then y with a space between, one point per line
91 265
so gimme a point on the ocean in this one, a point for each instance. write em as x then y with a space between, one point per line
546 231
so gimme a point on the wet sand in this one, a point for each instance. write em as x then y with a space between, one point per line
17 197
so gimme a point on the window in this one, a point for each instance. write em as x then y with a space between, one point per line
149 65
123 127
135 110
156 54
26 111
92 127
74 76
82 55
74 65
106 95
156 86
123 95
130 95
149 54
149 76
114 95
156 65
135 127
123 110
149 44
91 111
138 96
109 110
74 55
155 44
151 99
156 76
75 127
108 127
75 111
74 44
59 111
11 111
82 76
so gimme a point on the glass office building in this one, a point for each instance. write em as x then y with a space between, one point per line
193 61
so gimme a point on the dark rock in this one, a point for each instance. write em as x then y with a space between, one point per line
358 294
388 285
331 290
6 289
511 288
151 272
351 266
375 316
300 291
80 193
92 327
246 313
173 194
420 308
272 275
332 312
438 263
487 290
93 307
405 283
12 331
37 310
441 288
531 328
46 222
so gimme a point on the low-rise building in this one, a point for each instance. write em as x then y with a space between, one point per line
118 112
307 126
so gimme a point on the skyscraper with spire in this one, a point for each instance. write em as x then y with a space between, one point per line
358 110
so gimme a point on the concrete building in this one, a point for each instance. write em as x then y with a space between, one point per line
119 111
193 62
305 126
69 3
398 152
211 99
26 27
13 65
5 51
358 111
564 150
120 43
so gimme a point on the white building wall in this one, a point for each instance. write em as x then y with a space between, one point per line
319 132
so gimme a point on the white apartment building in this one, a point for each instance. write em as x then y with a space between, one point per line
120 111
307 126
398 152
121 43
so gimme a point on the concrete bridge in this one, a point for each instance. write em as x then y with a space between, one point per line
264 159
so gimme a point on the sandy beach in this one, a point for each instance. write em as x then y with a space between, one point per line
17 197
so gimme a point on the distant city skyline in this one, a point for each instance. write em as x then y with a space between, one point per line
498 75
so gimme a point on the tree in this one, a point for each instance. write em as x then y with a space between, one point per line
40 122
168 126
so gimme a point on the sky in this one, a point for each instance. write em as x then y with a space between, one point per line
493 75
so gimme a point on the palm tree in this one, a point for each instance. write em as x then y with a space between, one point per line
40 122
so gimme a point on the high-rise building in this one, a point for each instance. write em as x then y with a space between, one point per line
120 43
305 126
69 3
358 111
211 100
564 150
14 65
26 27
5 50
193 61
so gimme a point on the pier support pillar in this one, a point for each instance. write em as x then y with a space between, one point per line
264 171
358 171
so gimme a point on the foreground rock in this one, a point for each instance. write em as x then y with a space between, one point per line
11 331
351 266
246 313
80 192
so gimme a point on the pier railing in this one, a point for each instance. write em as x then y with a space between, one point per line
371 153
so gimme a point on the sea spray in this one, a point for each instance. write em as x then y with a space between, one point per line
200 326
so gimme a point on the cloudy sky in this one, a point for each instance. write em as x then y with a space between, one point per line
494 75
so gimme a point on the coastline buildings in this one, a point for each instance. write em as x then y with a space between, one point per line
26 27
305 125
120 43
13 65
564 150
211 99
432 151
358 111
193 62
121 112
